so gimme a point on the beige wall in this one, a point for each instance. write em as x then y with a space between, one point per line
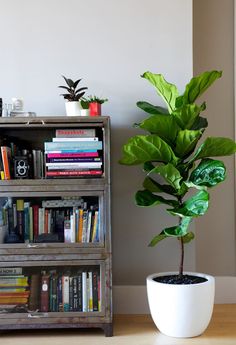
213 49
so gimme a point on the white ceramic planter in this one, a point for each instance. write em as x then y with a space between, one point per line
181 310
73 108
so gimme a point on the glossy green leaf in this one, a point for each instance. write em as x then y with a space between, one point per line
195 206
157 239
164 126
179 230
166 90
200 123
186 115
208 173
144 148
152 109
214 147
186 142
198 85
145 198
153 186
169 173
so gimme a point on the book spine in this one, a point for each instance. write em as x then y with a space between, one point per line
95 290
36 220
73 165
66 287
75 160
84 292
73 155
64 145
71 133
10 270
75 173
70 151
6 151
74 139
44 305
20 219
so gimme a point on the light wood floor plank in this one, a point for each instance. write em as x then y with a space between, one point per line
132 330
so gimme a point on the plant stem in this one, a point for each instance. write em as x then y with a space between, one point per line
181 266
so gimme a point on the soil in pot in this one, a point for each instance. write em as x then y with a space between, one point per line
185 279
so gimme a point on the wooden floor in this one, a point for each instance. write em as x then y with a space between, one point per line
132 330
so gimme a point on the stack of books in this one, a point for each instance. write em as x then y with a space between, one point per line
13 288
74 153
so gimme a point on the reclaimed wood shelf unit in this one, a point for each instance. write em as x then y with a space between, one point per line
60 258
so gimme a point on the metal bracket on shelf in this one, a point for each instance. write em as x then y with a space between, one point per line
38 315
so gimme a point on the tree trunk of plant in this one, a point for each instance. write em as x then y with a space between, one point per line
181 265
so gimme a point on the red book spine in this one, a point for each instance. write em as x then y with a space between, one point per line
35 220
74 173
45 293
72 155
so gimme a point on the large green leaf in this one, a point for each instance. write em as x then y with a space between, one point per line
195 206
157 239
201 122
214 147
151 109
144 148
166 90
164 126
179 230
208 173
186 142
186 115
145 198
155 187
169 173
198 85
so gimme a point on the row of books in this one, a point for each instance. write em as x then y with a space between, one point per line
51 291
74 153
67 221
14 288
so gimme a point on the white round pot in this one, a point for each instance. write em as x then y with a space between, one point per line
73 108
181 310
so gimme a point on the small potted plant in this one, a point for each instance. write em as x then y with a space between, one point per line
73 96
94 104
181 303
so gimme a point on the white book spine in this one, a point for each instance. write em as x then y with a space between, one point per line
65 293
75 139
84 292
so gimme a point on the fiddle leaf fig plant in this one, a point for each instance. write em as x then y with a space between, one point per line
170 158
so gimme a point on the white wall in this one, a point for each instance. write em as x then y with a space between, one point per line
109 44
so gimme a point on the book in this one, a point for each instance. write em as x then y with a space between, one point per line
65 145
62 203
6 161
74 160
68 173
84 292
13 281
34 297
71 133
73 166
35 220
65 291
73 155
44 297
75 139
71 151
95 274
20 219
10 271
53 292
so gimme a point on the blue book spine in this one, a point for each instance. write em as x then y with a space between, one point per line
80 145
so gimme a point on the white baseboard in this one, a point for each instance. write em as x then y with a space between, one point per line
132 299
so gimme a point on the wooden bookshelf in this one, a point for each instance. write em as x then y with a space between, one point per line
58 258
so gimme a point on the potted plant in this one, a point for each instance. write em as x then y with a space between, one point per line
73 96
94 104
181 303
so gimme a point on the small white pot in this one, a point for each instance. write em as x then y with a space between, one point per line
181 310
73 108
84 112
